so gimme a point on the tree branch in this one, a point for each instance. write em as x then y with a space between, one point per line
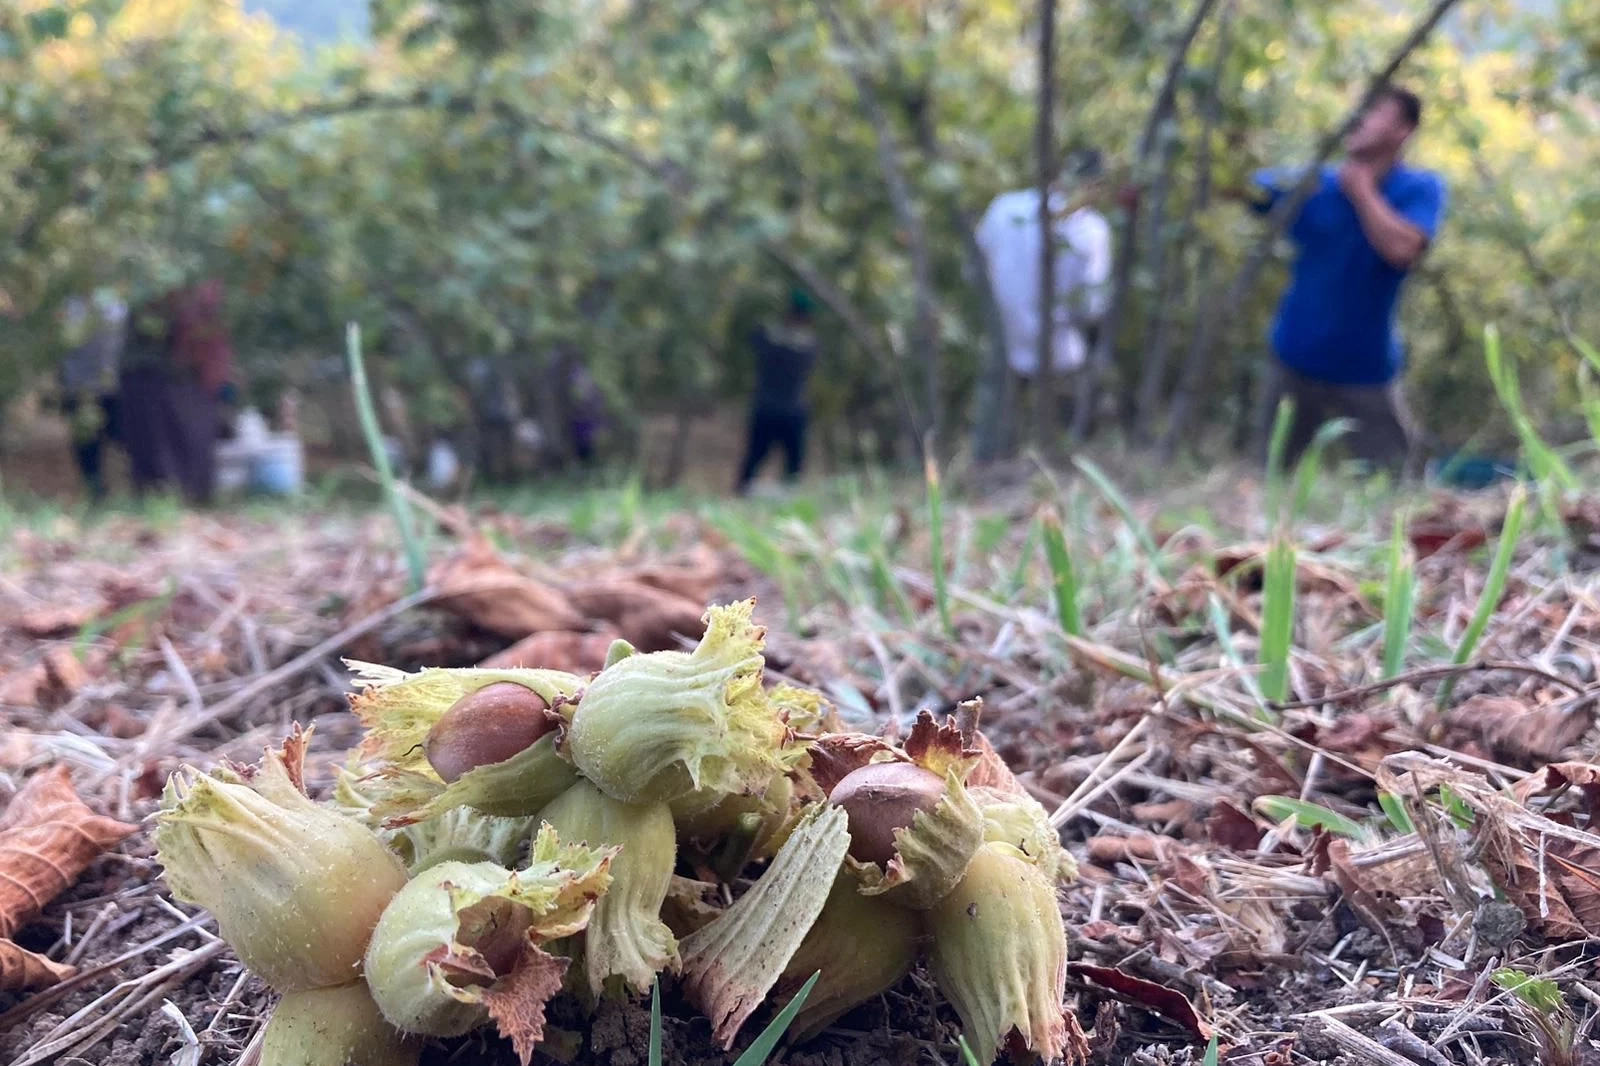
1153 382
1227 309
1128 240
925 317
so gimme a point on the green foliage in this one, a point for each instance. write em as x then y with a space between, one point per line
1494 588
1540 993
633 186
1399 600
1309 815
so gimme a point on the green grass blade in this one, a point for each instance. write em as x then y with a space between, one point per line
1277 448
1211 1052
1114 496
1395 810
1063 577
655 1023
1019 573
416 564
1494 587
941 583
1310 815
756 1054
1544 463
967 1057
1399 601
1277 618
1305 475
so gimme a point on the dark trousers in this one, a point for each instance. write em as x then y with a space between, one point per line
169 428
1384 428
88 449
774 429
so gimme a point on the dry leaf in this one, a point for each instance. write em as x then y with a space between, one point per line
482 588
517 1002
574 653
23 687
57 620
1554 880
22 970
1231 828
67 674
1582 776
1167 1002
1516 732
1359 892
47 838
647 618
1145 847
695 579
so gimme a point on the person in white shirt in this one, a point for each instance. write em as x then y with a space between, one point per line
1010 236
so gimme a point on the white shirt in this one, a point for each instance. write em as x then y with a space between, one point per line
1010 237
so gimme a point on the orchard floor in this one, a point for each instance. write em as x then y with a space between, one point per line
133 643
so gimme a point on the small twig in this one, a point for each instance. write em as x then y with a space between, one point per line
1363 1048
180 670
1429 673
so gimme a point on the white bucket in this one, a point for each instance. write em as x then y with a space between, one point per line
233 468
277 467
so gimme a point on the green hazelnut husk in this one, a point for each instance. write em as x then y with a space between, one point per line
732 962
296 887
626 937
652 728
334 1027
402 710
862 946
1017 819
461 937
999 954
459 834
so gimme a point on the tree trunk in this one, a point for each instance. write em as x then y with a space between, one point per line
1045 413
924 334
1225 309
1152 385
1128 241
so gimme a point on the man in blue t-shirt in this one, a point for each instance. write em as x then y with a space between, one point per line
1337 350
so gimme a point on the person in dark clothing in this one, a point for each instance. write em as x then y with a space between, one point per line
177 371
785 355
88 378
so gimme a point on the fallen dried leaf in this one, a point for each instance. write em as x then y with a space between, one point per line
66 671
648 618
1553 879
1558 777
574 653
57 620
1143 848
21 970
695 579
482 588
1167 1002
1229 827
1515 732
47 838
23 687
1362 896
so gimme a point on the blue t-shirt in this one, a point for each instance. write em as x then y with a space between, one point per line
1337 320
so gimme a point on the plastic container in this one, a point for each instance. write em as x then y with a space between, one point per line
233 468
277 467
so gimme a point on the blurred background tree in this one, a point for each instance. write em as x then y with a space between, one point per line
629 185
